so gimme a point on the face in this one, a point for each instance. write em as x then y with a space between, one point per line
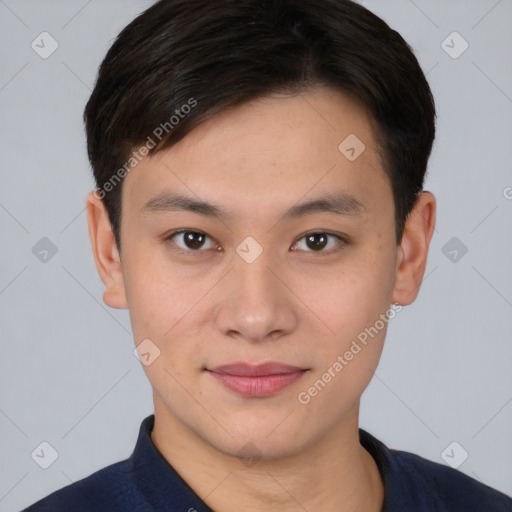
255 276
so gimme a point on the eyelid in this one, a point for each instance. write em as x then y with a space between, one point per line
343 240
169 236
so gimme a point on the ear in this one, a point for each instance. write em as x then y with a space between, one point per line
106 255
413 249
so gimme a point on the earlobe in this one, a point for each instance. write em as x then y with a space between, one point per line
413 249
106 255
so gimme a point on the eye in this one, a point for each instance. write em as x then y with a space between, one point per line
191 241
318 242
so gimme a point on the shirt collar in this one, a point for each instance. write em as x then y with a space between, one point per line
157 480
164 488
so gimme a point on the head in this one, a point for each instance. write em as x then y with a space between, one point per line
259 171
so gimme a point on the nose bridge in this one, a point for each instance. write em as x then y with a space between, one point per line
256 305
255 280
251 267
257 294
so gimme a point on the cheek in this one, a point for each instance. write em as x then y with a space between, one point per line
161 305
158 295
164 305
356 305
351 297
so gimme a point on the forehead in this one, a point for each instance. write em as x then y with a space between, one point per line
274 147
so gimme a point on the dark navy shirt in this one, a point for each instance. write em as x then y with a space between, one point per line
147 482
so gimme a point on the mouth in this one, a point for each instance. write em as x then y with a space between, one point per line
256 381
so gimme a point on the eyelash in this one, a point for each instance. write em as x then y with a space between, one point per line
342 242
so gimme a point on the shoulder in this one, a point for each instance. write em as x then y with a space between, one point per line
111 488
414 483
448 489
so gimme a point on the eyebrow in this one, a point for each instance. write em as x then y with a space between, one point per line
340 203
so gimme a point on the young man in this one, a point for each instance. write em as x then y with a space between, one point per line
259 208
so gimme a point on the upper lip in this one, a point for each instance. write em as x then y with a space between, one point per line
255 370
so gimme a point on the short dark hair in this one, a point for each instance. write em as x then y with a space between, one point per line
181 62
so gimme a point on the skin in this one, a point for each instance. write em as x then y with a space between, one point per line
293 304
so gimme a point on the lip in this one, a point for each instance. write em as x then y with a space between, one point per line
257 380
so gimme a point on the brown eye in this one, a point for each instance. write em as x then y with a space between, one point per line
318 242
189 240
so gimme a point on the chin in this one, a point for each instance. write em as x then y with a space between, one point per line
252 449
267 438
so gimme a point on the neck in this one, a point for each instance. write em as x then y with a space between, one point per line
334 474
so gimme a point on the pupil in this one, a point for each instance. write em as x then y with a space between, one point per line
316 241
194 240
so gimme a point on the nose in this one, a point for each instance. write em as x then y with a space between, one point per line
255 305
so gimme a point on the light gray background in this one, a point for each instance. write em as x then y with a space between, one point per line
67 372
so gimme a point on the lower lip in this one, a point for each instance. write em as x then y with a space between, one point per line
258 387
